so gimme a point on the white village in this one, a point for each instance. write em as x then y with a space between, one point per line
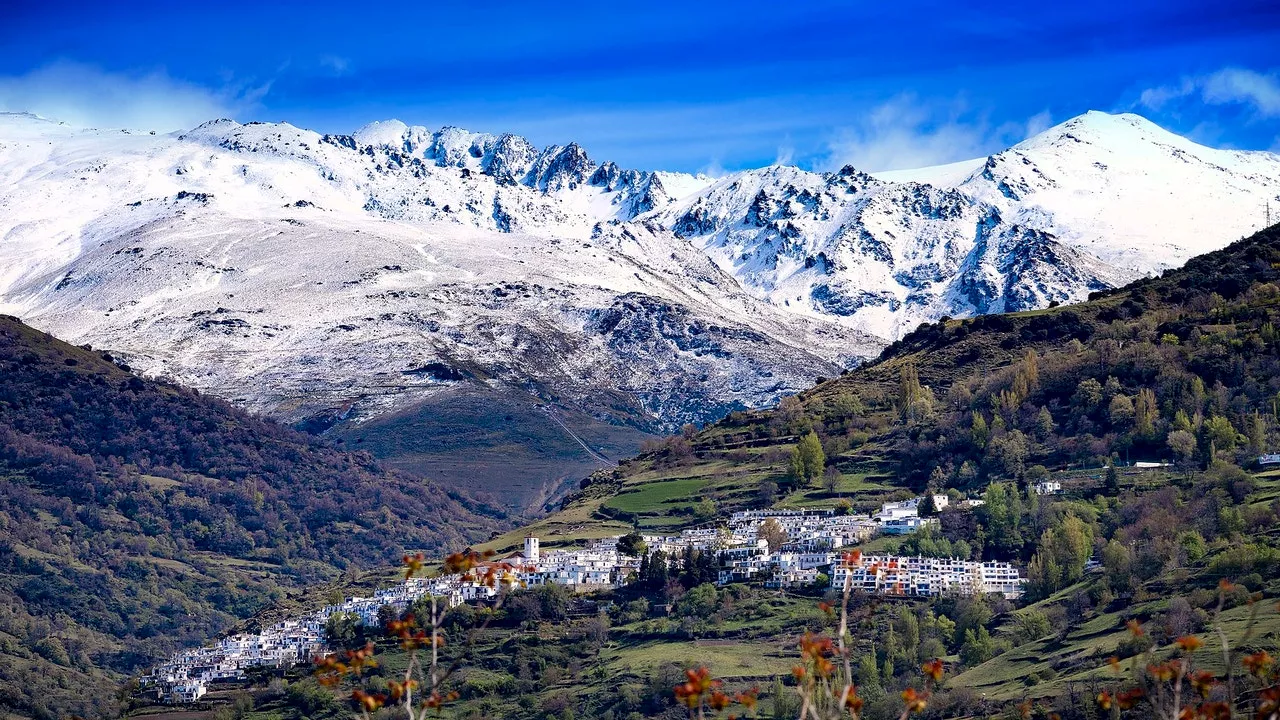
804 554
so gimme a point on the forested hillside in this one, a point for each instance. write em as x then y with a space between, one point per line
1180 372
137 517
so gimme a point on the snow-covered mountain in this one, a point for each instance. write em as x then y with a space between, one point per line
344 278
283 268
1094 202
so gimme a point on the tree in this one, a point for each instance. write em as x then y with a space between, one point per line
978 647
1032 625
653 570
786 703
1036 474
915 402
1112 479
387 614
979 433
807 459
701 601
1008 453
791 411
341 629
831 479
846 405
1088 394
937 480
1030 370
1183 445
1257 434
795 465
927 507
1060 557
1146 411
1118 562
632 544
772 533
1120 411
1219 434
1002 519
1044 423
866 672
705 509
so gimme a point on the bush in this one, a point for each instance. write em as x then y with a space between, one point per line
1252 581
1132 646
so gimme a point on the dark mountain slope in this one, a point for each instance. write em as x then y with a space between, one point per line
137 516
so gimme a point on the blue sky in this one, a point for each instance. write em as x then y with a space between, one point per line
674 85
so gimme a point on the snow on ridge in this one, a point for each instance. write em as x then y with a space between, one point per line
388 133
232 256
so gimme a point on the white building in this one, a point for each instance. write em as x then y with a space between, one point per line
905 525
812 538
929 577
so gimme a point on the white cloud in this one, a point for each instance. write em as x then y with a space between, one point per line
786 154
336 64
1229 86
1038 123
713 169
906 133
87 96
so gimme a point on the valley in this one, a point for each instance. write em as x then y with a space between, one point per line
672 361
1009 416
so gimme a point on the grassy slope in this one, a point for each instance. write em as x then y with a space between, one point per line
495 442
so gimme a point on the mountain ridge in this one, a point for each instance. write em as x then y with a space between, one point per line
307 276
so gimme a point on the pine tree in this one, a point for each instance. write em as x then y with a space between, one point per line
1044 423
927 507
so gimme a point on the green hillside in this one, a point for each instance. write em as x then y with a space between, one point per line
1188 351
1182 371
137 517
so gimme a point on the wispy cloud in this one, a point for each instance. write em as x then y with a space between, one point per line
786 153
87 96
907 132
336 64
1260 92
